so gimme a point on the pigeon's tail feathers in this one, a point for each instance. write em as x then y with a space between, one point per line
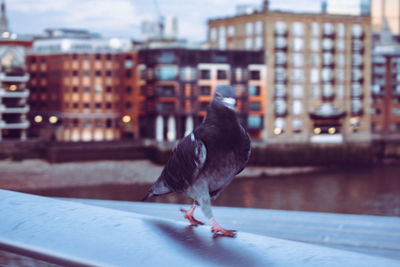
158 188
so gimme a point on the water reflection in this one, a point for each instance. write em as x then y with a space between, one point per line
374 191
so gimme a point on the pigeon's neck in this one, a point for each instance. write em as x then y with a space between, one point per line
222 122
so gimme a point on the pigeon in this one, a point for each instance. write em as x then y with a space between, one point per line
205 161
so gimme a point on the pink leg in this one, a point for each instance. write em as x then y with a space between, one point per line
219 231
189 216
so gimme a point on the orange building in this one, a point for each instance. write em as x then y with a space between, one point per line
80 89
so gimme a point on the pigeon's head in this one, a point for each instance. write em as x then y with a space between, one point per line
225 95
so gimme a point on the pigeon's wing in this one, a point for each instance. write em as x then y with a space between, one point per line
244 151
185 163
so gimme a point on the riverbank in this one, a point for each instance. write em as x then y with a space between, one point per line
37 174
263 154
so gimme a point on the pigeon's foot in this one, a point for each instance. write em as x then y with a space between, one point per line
219 231
189 216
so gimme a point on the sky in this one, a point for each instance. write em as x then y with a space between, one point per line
122 18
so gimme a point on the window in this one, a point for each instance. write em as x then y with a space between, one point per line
280 27
314 75
205 90
340 45
297 44
222 75
213 34
249 43
108 73
165 90
315 45
297 29
109 89
86 89
259 27
279 123
249 28
98 56
280 107
357 30
98 88
222 38
297 107
327 91
205 74
280 58
297 75
297 125
315 91
128 73
315 29
109 123
255 106
231 30
327 44
297 91
166 73
86 105
98 105
280 90
128 89
341 30
315 60
254 121
280 42
258 43
298 60
327 29
128 105
98 73
327 59
74 73
255 75
254 90
108 105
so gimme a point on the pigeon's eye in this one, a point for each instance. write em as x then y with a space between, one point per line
218 95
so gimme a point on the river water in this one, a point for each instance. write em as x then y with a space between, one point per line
374 190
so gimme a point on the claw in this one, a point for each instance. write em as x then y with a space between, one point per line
192 220
219 231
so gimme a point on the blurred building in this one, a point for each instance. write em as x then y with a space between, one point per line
386 9
13 79
177 85
318 65
385 98
81 88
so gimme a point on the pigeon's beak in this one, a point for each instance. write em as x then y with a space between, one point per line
229 102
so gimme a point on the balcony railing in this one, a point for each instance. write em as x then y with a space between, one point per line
4 109
17 125
20 94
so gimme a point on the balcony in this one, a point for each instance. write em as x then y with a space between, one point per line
22 78
14 126
23 110
19 94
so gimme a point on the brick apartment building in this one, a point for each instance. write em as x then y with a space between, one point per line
319 73
81 89
176 86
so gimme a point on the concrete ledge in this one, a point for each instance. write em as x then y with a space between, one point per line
67 232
